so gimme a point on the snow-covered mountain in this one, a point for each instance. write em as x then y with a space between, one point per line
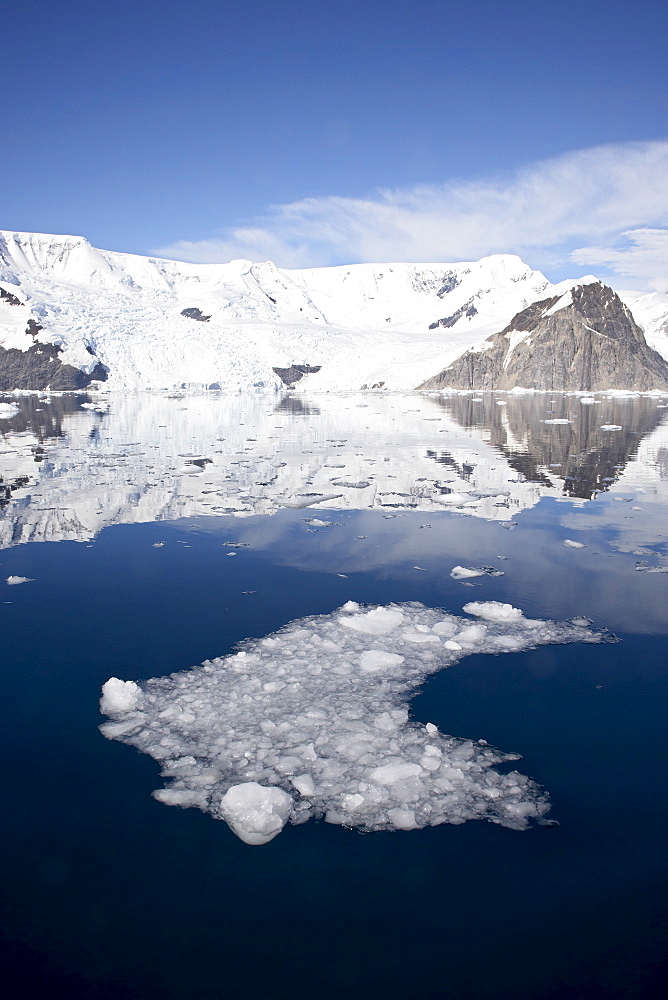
70 308
583 340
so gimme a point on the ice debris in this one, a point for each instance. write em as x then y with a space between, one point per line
569 543
14 580
8 410
464 572
313 721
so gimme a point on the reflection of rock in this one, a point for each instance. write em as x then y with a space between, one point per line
72 468
584 340
39 368
578 455
296 405
290 376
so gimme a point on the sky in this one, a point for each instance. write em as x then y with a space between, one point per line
315 133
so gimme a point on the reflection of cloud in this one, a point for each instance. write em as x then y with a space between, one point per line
547 209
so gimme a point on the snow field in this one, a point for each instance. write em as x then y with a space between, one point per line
312 722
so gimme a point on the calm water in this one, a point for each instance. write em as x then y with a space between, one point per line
109 893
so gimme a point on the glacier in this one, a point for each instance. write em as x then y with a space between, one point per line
156 323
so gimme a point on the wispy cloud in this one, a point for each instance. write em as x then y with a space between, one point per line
568 209
640 254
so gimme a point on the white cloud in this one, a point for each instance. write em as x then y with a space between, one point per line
546 211
641 254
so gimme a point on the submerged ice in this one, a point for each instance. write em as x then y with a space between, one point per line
312 721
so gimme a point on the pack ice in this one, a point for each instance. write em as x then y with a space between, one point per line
312 721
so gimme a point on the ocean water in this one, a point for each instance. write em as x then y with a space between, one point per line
156 532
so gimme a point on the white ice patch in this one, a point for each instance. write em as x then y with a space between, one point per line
463 572
8 410
255 813
312 721
569 543
611 427
495 611
119 696
14 580
556 420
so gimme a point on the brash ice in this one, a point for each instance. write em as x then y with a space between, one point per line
312 721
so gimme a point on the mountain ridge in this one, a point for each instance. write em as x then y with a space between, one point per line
135 318
584 340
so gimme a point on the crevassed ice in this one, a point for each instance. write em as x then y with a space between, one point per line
312 721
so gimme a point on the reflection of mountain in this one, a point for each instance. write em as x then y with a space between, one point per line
578 457
70 468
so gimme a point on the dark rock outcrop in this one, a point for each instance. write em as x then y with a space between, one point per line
590 343
289 376
39 368
468 310
8 298
194 313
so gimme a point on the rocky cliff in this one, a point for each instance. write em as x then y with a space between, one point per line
585 340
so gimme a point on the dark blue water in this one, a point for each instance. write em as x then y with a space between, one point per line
107 893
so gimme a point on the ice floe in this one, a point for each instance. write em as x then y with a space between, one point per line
313 721
464 572
14 580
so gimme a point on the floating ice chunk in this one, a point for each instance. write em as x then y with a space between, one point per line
378 659
390 774
380 621
8 410
119 696
611 427
587 400
256 814
494 611
14 580
403 819
569 543
451 499
312 721
462 572
301 503
557 420
304 784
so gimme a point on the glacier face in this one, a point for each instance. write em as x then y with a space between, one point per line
363 324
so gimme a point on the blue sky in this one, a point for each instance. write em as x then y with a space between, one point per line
314 133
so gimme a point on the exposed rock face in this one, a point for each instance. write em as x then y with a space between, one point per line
289 376
9 298
39 368
585 340
194 313
468 310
